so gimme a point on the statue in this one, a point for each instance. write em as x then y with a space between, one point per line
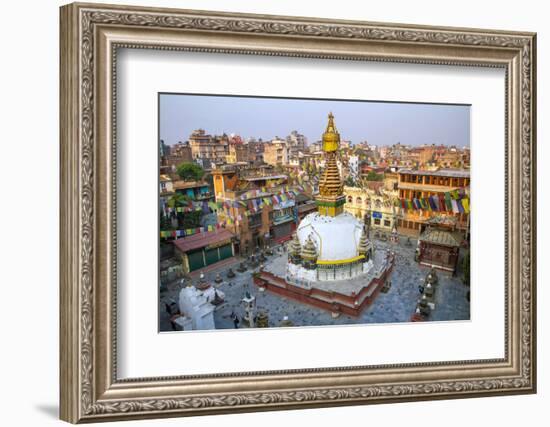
262 320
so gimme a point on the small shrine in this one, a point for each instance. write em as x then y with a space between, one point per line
438 246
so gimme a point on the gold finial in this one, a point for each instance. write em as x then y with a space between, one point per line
331 137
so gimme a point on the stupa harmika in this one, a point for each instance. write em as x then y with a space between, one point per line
330 244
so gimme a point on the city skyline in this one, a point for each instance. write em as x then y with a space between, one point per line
357 121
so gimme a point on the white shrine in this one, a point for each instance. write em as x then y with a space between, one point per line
330 244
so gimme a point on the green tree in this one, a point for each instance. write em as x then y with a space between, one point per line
349 182
373 176
165 223
190 219
178 200
190 171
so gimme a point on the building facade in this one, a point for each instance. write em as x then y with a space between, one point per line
417 184
276 153
238 153
375 206
256 217
203 249
207 150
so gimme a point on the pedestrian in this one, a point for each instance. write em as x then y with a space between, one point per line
236 321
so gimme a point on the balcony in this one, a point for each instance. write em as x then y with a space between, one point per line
415 186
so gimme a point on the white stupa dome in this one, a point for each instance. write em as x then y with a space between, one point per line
336 238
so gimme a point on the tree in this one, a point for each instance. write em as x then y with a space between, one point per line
190 171
190 219
373 176
349 181
178 200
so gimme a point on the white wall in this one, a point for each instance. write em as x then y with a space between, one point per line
29 174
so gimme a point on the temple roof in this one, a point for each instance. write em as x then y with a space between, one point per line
441 237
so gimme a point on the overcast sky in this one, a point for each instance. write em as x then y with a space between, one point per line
379 123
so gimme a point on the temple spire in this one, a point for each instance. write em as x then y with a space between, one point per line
331 198
331 137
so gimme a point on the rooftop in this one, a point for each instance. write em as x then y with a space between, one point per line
263 177
200 240
441 237
181 185
453 173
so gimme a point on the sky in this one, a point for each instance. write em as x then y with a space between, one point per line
379 123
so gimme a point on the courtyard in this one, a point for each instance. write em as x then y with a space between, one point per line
396 305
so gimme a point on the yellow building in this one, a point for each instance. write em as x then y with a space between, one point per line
376 204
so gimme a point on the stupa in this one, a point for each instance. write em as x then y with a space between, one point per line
331 261
330 244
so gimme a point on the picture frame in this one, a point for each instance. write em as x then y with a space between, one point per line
91 35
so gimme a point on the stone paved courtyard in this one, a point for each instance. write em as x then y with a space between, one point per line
397 305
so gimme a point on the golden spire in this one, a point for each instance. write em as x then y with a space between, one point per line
331 198
330 184
331 137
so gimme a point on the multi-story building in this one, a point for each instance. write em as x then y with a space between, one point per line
255 151
164 150
238 153
166 185
353 165
373 204
450 157
175 155
207 149
417 184
418 155
276 152
296 144
248 203
195 190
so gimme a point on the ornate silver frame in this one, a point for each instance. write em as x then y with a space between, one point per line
90 36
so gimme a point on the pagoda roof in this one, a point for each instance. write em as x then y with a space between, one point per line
441 237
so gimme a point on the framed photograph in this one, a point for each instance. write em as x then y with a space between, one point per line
266 212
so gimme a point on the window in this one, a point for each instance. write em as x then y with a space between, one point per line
387 223
377 221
